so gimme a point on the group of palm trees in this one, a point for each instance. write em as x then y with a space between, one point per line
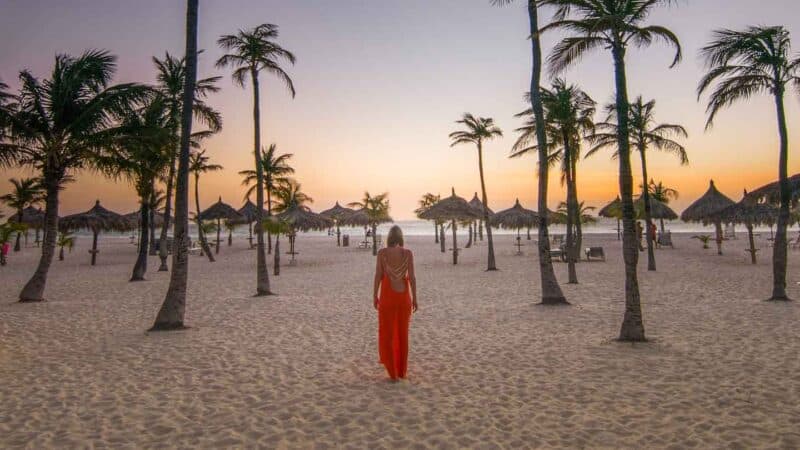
78 120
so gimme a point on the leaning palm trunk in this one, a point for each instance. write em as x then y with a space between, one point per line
34 288
171 314
632 328
262 276
570 244
162 243
648 217
140 268
779 256
551 291
201 235
491 265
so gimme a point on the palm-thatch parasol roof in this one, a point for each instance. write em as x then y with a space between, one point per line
221 211
515 218
96 219
706 208
749 212
248 211
658 209
134 218
772 192
478 204
360 218
303 219
451 208
32 217
337 213
612 210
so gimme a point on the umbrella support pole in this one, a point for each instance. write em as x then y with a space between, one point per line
94 251
455 244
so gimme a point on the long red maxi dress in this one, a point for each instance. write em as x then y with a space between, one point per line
394 316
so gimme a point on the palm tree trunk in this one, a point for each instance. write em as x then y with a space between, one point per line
18 243
577 212
61 254
648 219
140 268
528 234
95 232
152 227
33 291
171 314
250 233
262 276
469 239
480 229
491 265
455 243
551 291
632 328
277 258
570 244
201 235
779 256
442 243
338 235
663 230
162 243
752 241
374 239
269 213
436 232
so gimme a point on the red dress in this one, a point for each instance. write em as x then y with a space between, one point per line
394 316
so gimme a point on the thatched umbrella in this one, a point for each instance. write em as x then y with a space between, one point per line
361 218
337 214
772 192
96 219
302 219
454 209
706 209
613 210
478 205
31 218
249 212
515 218
219 211
750 213
658 210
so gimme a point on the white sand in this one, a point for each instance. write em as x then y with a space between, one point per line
487 369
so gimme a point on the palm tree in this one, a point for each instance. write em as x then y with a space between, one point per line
377 209
569 116
170 81
7 230
230 227
171 314
250 53
478 130
658 191
551 291
199 164
65 240
644 133
26 192
142 154
584 214
426 202
615 25
289 195
58 126
744 63
276 169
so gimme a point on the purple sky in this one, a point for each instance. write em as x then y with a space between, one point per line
380 84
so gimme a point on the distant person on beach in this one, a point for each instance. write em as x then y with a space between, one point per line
639 231
652 232
395 298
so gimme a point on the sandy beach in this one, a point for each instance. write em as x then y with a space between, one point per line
488 368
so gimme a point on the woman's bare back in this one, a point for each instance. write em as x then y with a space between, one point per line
395 266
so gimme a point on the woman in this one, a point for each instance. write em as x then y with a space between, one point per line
395 298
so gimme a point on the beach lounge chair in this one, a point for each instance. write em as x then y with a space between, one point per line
195 249
559 253
595 252
730 232
557 239
665 239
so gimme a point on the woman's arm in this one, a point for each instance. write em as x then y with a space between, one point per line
376 284
412 279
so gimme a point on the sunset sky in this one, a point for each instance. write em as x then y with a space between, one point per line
380 84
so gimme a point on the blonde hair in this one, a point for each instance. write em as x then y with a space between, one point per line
395 237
